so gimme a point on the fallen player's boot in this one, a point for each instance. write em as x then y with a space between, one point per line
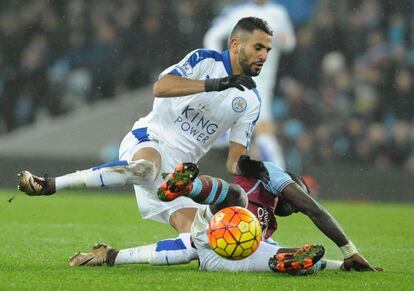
316 268
98 256
34 185
179 183
301 259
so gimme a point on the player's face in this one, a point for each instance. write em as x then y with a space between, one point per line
253 52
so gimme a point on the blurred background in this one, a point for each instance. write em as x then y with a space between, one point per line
75 75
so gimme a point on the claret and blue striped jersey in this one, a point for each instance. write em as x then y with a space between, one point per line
190 124
263 197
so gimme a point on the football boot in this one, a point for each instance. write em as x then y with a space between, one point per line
96 257
179 183
294 261
34 186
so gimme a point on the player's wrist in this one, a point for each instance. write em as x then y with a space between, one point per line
348 250
211 85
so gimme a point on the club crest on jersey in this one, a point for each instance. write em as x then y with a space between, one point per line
239 104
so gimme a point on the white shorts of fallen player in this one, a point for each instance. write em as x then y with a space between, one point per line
211 261
149 205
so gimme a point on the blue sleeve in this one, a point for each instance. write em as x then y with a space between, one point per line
192 66
279 179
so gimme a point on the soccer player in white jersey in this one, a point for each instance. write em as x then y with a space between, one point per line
283 41
197 100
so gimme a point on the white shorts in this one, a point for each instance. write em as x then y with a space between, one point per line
210 261
149 205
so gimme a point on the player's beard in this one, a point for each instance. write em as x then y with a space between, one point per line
245 65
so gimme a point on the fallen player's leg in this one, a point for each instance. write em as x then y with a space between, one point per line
165 252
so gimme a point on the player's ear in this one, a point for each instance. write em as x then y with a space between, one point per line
234 45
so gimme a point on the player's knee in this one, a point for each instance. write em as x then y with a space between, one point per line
142 171
182 219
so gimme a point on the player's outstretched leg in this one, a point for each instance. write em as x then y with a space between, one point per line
165 252
34 185
296 260
116 173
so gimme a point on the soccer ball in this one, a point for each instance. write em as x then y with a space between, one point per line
234 233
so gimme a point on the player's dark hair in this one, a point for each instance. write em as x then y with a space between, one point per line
248 24
298 179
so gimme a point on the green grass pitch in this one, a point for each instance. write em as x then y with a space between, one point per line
39 234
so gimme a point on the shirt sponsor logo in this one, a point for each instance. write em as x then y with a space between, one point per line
263 216
194 123
239 104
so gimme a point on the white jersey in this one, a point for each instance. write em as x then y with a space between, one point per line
210 261
278 20
189 125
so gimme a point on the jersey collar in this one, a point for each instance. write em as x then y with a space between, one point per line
225 56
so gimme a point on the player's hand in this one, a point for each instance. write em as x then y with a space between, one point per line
235 81
359 263
252 168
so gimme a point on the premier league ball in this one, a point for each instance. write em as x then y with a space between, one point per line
234 233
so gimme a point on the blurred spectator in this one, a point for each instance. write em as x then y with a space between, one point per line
300 11
346 93
304 61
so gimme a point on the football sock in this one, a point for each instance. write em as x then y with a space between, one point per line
115 173
269 149
333 265
165 252
137 255
209 190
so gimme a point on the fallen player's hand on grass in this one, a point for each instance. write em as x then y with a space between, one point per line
359 263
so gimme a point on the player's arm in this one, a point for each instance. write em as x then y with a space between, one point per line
299 200
189 77
235 151
174 86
